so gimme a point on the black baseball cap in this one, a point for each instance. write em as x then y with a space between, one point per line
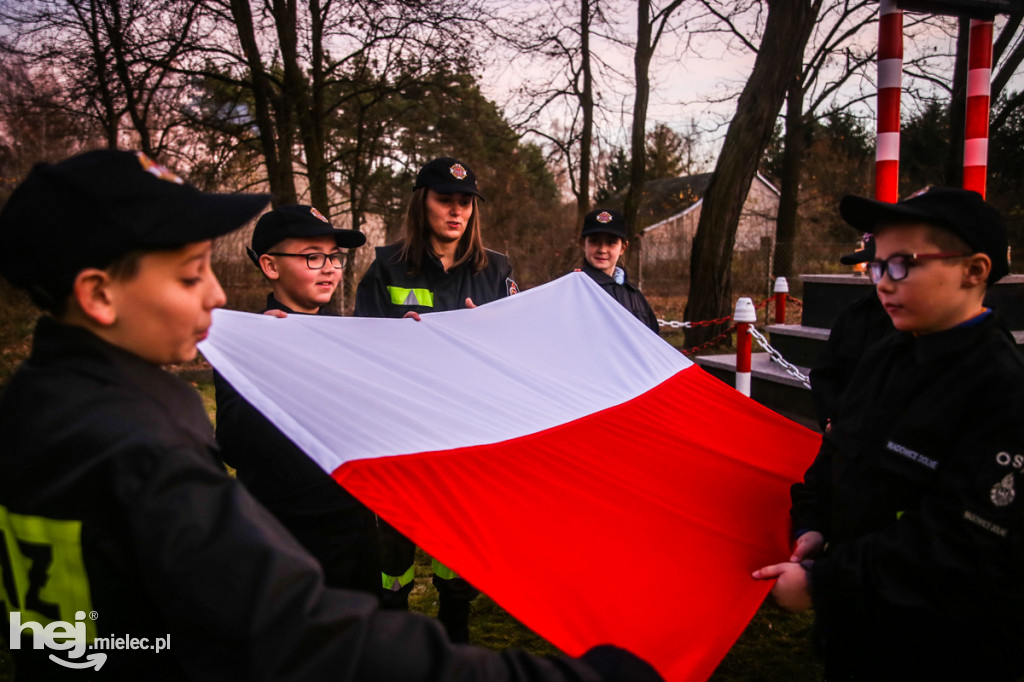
93 208
606 221
297 221
862 256
448 176
963 212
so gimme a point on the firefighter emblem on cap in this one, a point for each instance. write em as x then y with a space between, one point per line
459 171
154 168
604 217
317 214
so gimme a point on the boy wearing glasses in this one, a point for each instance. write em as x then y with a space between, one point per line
299 252
909 523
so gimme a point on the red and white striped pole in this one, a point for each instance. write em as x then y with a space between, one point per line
890 77
781 290
979 91
744 317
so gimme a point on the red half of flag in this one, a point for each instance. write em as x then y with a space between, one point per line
597 485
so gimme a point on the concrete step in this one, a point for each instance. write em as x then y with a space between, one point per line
770 385
797 343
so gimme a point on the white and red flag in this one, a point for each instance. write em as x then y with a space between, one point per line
550 449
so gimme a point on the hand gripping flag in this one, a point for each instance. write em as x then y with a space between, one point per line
550 449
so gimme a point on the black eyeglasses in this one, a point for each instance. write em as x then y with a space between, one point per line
898 265
316 261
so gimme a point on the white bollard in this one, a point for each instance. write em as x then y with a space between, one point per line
744 316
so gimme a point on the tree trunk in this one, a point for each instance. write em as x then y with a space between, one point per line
276 150
792 162
587 105
638 135
780 57
297 92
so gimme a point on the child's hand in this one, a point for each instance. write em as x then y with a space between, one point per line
412 314
792 589
274 312
808 546
469 303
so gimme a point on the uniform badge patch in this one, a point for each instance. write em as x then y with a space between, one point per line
1002 492
459 171
154 168
604 217
511 285
317 214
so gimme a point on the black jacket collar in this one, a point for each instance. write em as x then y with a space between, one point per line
603 278
274 304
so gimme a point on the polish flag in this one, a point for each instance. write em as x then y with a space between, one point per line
550 449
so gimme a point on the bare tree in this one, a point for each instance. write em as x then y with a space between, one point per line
110 58
561 47
779 58
836 56
652 23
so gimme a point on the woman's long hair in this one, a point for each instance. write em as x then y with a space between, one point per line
416 243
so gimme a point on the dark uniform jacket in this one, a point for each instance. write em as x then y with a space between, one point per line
113 504
631 298
919 489
388 290
331 524
859 325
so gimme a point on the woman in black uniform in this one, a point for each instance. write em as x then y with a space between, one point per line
440 264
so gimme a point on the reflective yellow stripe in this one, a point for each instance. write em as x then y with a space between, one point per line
41 563
401 296
393 583
442 571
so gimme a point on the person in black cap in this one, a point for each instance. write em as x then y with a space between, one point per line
857 326
441 264
299 253
117 522
908 524
604 239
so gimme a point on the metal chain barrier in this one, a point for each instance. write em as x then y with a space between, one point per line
794 300
776 356
673 324
712 342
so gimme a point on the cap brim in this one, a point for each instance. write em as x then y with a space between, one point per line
865 215
621 234
205 216
349 239
856 257
453 188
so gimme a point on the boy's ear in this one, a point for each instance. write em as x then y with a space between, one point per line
91 291
979 265
269 267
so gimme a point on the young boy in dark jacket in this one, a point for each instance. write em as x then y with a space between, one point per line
300 254
908 523
119 529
